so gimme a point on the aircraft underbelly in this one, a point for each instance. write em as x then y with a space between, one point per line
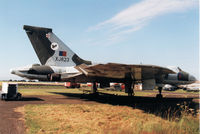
176 82
35 76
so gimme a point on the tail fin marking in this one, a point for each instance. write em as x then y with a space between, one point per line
50 49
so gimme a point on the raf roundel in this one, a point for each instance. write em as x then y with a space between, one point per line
54 46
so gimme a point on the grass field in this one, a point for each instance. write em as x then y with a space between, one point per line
44 87
44 90
51 90
101 119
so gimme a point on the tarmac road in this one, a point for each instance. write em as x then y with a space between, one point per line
11 123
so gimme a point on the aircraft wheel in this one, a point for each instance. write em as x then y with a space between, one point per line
159 96
131 94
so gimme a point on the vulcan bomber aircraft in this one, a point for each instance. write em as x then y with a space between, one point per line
60 63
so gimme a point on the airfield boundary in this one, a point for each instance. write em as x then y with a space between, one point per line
35 97
36 83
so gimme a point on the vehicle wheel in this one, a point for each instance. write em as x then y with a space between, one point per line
3 97
19 96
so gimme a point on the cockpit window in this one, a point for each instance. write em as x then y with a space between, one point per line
175 69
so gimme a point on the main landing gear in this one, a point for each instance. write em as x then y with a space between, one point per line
129 84
128 88
94 88
159 96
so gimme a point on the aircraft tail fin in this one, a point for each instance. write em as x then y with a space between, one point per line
50 49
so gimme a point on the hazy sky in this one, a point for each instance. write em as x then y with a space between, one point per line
159 32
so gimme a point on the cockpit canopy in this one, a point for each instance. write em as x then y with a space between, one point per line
175 69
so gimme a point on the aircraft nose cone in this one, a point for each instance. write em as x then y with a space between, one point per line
192 78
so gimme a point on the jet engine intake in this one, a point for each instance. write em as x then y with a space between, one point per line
183 76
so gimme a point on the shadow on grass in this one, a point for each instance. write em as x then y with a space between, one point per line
167 108
26 99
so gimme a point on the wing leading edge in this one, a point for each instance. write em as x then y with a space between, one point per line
119 71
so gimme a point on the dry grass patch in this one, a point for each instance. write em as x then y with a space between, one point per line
100 119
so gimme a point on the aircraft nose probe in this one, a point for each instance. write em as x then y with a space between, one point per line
12 71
